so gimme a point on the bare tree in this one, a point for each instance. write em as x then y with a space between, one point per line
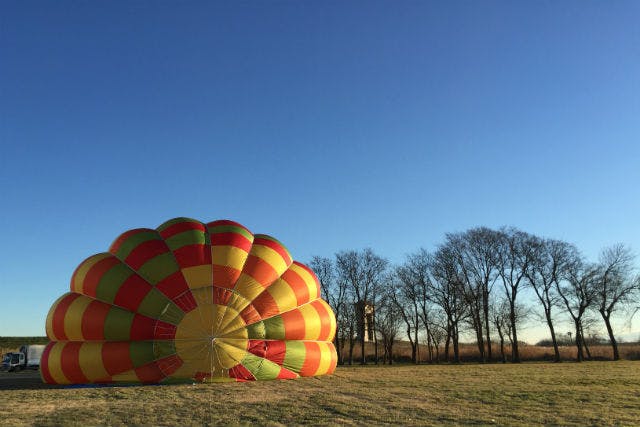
387 324
446 292
481 261
426 315
405 297
578 292
516 254
415 270
589 332
551 259
472 291
351 326
500 316
363 272
615 286
335 293
438 331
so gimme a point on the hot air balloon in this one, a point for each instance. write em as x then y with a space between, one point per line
190 301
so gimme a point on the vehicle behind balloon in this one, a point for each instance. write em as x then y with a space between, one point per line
28 357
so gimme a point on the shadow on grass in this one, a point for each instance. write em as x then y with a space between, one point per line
30 380
23 380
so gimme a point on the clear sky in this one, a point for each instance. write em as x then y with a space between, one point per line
330 125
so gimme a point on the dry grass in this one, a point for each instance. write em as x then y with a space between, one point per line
402 350
592 393
469 352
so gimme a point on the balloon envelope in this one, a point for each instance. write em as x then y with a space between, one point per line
190 301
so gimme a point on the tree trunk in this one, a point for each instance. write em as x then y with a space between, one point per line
512 317
447 342
556 350
351 341
446 348
375 344
612 338
479 336
456 349
579 355
586 347
363 359
385 349
584 342
415 337
501 335
429 347
375 336
480 344
485 301
413 353
343 342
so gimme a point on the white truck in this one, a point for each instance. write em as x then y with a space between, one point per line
27 357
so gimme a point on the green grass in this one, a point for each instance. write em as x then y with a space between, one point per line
591 393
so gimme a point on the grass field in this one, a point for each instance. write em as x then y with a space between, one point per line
592 393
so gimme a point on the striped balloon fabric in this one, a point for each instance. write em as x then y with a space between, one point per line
190 301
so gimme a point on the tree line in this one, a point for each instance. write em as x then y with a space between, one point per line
472 283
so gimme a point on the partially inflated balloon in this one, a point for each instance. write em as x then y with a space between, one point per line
190 301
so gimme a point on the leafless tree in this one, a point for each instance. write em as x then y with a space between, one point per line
415 271
615 286
452 291
351 327
516 254
500 316
578 292
438 331
334 291
472 291
551 259
387 324
480 259
589 332
405 297
363 272
446 292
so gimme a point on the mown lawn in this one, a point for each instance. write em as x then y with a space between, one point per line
592 393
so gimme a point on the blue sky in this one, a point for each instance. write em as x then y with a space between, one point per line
328 125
